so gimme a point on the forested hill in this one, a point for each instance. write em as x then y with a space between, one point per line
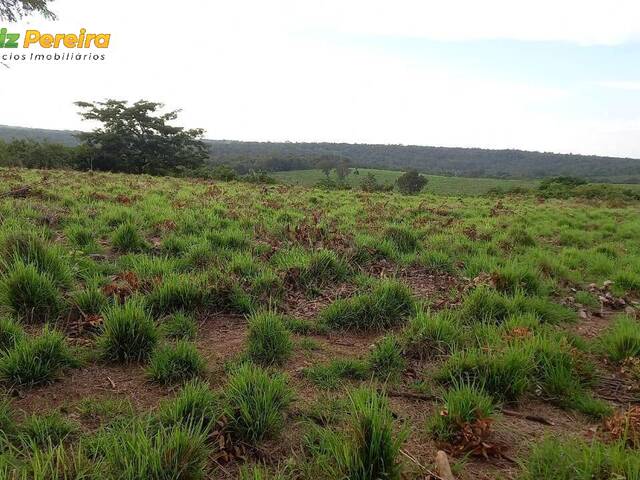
468 162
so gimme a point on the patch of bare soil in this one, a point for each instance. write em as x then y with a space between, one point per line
300 304
92 381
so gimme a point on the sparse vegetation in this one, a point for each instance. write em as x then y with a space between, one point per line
222 325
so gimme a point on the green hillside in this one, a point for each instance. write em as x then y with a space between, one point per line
437 184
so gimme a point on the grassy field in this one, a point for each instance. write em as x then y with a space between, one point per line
163 328
438 185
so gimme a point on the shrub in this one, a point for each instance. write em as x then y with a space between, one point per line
411 182
255 401
176 363
42 430
429 335
36 360
269 341
403 238
389 304
11 333
31 294
180 326
386 360
621 340
463 404
195 405
127 238
128 333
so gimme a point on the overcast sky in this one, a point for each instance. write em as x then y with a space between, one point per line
557 75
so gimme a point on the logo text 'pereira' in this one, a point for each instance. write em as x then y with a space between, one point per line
55 40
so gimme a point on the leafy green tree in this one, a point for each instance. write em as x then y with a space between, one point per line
134 139
411 182
13 10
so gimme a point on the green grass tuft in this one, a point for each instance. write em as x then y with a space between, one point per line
176 363
179 326
36 360
128 333
32 295
255 403
268 341
464 403
388 304
621 340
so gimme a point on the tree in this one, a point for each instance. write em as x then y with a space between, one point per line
13 10
411 182
132 139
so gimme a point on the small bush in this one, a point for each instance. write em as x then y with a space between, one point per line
269 341
176 363
11 333
127 238
31 294
179 326
255 402
36 360
389 304
621 340
386 360
43 430
128 333
463 404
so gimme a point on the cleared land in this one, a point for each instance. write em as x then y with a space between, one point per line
170 328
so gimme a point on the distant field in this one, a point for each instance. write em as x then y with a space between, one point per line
437 184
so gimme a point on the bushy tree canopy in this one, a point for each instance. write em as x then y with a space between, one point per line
134 139
411 182
13 10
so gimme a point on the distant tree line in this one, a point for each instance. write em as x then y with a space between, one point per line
246 157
